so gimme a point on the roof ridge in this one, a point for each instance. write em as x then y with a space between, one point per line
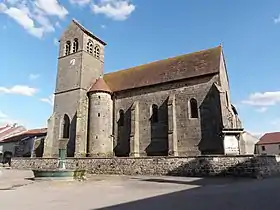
88 32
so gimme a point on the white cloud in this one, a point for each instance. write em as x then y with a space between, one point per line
52 7
80 2
263 99
33 76
49 100
22 17
114 9
12 1
19 90
34 15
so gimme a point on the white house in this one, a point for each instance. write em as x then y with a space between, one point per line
269 144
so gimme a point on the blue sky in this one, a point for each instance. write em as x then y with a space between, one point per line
138 32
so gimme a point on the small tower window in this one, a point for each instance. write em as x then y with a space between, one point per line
75 45
121 120
193 108
67 48
154 113
97 51
90 47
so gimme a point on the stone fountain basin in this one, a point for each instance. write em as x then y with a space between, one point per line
54 174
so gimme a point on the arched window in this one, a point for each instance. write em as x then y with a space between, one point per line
193 108
121 120
97 51
66 126
75 45
90 46
67 48
154 113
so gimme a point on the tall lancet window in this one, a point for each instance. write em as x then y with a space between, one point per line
97 51
67 48
90 47
193 108
75 45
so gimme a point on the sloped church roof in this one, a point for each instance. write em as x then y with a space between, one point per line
191 65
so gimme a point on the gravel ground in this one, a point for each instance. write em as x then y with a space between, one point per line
136 193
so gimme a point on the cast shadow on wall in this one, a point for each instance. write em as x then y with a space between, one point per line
158 145
211 123
122 148
72 137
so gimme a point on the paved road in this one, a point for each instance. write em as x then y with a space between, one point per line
137 193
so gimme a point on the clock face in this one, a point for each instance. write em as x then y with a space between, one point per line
72 61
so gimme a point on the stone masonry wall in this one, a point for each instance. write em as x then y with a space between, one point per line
248 166
153 137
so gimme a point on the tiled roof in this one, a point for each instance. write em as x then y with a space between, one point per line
28 133
270 138
191 65
11 131
3 128
100 85
36 131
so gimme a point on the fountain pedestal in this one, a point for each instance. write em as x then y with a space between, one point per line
60 173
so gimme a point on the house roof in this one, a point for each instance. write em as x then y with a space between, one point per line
86 31
3 128
270 138
100 85
11 131
191 65
29 133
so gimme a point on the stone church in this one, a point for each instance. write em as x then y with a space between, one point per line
177 106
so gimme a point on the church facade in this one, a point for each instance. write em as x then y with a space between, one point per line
177 106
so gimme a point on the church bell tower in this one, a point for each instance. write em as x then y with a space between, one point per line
80 62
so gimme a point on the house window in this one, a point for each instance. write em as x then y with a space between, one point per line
154 113
97 51
263 148
121 120
193 108
67 48
75 45
90 47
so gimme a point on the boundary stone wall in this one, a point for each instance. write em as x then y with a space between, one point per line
255 166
